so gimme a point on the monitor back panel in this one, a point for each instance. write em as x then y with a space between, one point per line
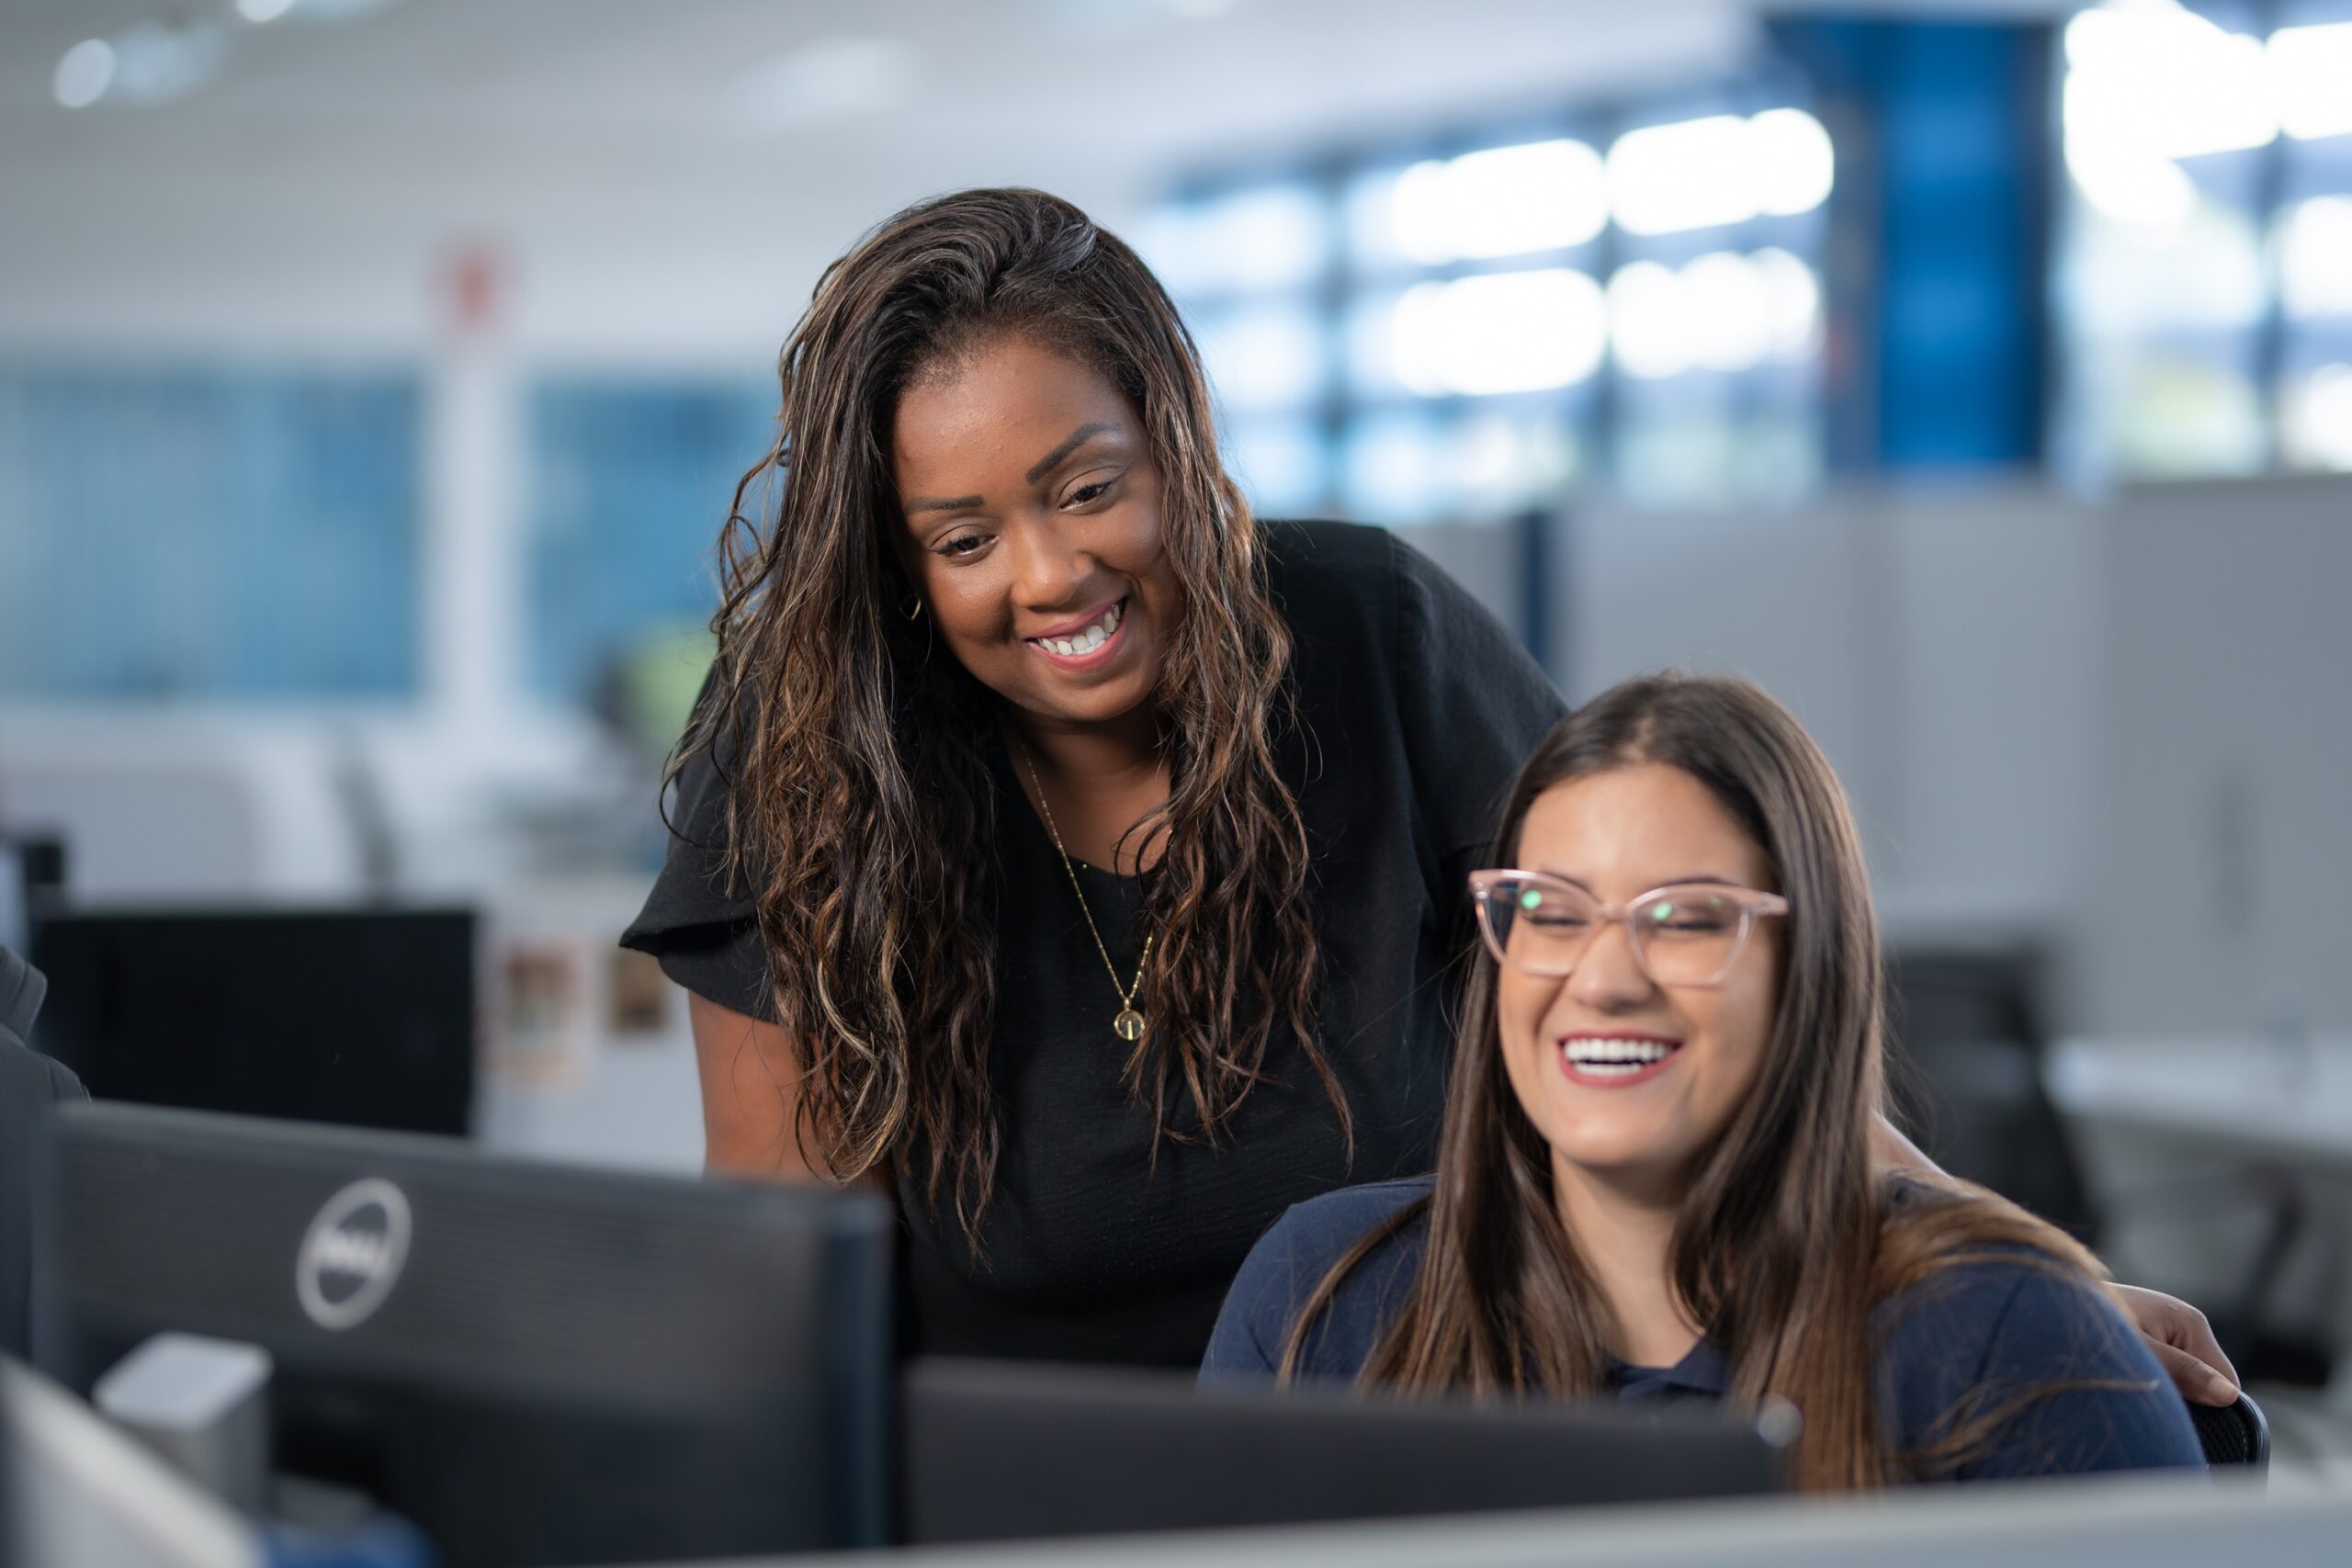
1003 1450
567 1366
362 1018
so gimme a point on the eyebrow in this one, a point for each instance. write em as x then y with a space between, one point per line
1076 439
1706 877
940 504
1044 466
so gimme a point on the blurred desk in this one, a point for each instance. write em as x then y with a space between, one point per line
2170 1521
2271 1102
2278 1110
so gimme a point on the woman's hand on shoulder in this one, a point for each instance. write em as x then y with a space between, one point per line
2177 1333
2183 1343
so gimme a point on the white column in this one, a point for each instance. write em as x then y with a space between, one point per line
475 532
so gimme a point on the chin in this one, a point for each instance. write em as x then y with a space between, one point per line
1100 705
1619 1154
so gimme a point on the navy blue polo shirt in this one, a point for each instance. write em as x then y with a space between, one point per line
1970 1335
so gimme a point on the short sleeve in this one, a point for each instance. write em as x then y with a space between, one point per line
697 920
1472 705
2036 1363
1246 1343
1291 1259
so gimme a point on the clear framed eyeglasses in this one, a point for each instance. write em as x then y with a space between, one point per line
1688 933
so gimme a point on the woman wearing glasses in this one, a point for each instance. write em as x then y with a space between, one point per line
1062 850
1656 1180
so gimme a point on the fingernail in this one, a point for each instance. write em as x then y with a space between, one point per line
2223 1390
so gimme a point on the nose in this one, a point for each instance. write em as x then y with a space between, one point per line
1048 565
1608 976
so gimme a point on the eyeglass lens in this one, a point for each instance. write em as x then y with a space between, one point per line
1682 935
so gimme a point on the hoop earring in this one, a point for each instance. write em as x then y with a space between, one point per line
915 614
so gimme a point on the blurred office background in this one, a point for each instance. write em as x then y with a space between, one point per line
375 376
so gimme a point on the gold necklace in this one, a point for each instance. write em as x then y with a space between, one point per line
1129 1023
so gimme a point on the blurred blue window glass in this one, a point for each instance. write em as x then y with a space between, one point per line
1259 237
1280 464
1393 468
630 483
208 536
1429 331
2200 288
1261 357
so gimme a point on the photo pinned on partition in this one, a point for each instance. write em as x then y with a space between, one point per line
545 1024
641 1006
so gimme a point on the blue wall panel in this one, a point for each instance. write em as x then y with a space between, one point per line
630 484
207 535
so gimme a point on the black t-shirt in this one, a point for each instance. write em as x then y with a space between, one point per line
1415 711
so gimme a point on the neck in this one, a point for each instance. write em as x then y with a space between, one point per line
1098 781
1090 757
1623 1232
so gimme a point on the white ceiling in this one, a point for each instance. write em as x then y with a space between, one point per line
653 201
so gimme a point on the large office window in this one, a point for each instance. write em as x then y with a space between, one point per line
207 535
2202 284
630 482
1627 299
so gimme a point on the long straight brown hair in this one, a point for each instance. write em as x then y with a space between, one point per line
860 809
1786 1241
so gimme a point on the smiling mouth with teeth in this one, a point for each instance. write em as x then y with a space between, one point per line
1601 1058
1081 643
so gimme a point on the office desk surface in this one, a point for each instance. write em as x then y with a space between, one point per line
2139 1522
2279 1102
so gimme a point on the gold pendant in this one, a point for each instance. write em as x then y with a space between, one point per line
1128 1025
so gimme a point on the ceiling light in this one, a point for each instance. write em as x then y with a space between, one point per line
2315 258
1705 174
1795 165
85 73
1728 312
1511 332
2312 67
2130 183
1501 201
2158 79
834 79
1648 327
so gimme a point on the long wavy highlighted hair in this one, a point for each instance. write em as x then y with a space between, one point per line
1786 1240
860 811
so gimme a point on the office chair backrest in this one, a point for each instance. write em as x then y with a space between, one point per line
2233 1434
1969 1040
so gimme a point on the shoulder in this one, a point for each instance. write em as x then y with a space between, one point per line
1468 699
1332 579
1322 1228
2020 1352
1293 1257
1351 569
1319 555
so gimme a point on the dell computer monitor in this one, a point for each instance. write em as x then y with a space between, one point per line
360 1017
1001 1450
532 1363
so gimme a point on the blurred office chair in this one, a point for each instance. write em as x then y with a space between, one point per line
1967 1045
2233 1434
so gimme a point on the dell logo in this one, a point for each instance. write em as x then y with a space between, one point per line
352 1254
